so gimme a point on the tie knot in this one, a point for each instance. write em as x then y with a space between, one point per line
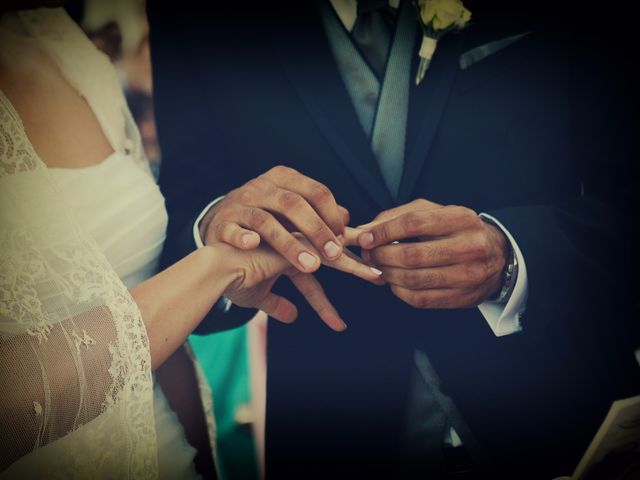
369 6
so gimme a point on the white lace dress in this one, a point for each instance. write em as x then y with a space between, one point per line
117 202
121 206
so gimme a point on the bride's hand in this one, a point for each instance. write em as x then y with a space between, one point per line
259 269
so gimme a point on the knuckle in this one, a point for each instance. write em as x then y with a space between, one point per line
288 245
381 233
421 300
320 193
478 246
441 215
438 302
431 279
412 278
317 229
245 195
476 274
255 184
282 170
219 229
346 216
278 169
257 218
273 235
412 256
468 215
253 189
439 251
289 200
413 223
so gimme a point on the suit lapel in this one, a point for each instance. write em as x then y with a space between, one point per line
312 70
426 105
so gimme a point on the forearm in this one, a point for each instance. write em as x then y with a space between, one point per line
174 301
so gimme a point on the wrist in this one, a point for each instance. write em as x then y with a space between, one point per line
222 269
508 270
507 264
502 247
205 218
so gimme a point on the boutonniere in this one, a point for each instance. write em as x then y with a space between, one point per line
437 17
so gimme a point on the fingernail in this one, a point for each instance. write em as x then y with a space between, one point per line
366 239
331 249
246 239
307 260
341 239
376 271
338 322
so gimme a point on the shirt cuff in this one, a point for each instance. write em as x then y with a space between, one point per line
224 304
196 225
504 319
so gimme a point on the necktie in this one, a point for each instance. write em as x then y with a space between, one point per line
372 32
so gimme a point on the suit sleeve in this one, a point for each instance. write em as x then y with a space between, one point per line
580 252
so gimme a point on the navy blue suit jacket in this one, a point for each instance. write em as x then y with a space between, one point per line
529 134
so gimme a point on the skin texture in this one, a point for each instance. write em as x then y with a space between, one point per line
268 207
435 256
432 256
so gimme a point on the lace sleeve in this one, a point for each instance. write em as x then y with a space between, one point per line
74 356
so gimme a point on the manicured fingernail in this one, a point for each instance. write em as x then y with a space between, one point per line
376 271
332 249
337 322
307 260
246 238
366 239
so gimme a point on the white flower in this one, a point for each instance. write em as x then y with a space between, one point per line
442 15
437 17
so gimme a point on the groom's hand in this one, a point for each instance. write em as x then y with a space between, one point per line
268 207
447 257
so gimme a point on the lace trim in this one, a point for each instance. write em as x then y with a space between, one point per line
37 249
16 153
